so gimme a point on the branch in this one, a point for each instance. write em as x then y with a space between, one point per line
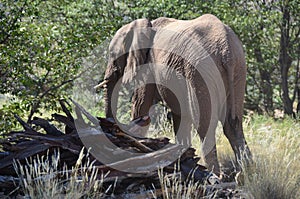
45 124
37 104
26 126
91 118
65 110
296 38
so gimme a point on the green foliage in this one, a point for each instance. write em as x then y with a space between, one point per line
7 112
44 45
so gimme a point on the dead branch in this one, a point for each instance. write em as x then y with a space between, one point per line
137 170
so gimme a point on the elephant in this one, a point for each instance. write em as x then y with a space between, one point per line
197 67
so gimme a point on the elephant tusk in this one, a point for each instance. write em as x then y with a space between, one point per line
101 85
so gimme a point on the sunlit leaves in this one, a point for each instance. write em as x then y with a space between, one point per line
43 43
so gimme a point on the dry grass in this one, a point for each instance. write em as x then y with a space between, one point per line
275 172
174 187
42 178
275 144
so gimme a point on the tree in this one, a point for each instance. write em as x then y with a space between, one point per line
42 44
269 31
289 54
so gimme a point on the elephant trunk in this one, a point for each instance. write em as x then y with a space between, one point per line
111 99
108 91
107 99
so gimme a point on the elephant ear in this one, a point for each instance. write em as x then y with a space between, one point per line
137 43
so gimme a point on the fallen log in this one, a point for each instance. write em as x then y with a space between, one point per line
150 154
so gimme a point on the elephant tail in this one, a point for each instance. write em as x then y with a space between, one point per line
229 65
231 98
233 61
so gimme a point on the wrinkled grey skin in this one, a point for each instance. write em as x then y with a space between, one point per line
224 48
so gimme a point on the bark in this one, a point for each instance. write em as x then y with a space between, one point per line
265 86
298 105
285 60
29 143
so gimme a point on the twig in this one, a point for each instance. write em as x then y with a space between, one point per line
25 125
135 142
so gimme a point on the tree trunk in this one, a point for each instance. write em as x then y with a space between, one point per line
265 87
285 60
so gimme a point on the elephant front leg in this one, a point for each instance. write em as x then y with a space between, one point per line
183 130
142 100
209 149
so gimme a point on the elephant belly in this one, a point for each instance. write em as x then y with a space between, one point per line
186 93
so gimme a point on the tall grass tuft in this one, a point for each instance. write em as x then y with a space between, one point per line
272 178
173 186
275 172
42 177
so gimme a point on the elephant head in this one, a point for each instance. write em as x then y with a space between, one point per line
128 50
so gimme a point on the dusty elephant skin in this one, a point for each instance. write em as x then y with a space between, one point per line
196 67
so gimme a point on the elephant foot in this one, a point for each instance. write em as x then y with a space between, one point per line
215 168
243 157
213 165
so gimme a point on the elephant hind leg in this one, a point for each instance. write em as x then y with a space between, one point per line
234 132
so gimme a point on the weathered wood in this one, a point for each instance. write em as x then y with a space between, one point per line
135 142
65 120
149 161
65 110
26 126
139 169
45 124
91 118
31 150
8 182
